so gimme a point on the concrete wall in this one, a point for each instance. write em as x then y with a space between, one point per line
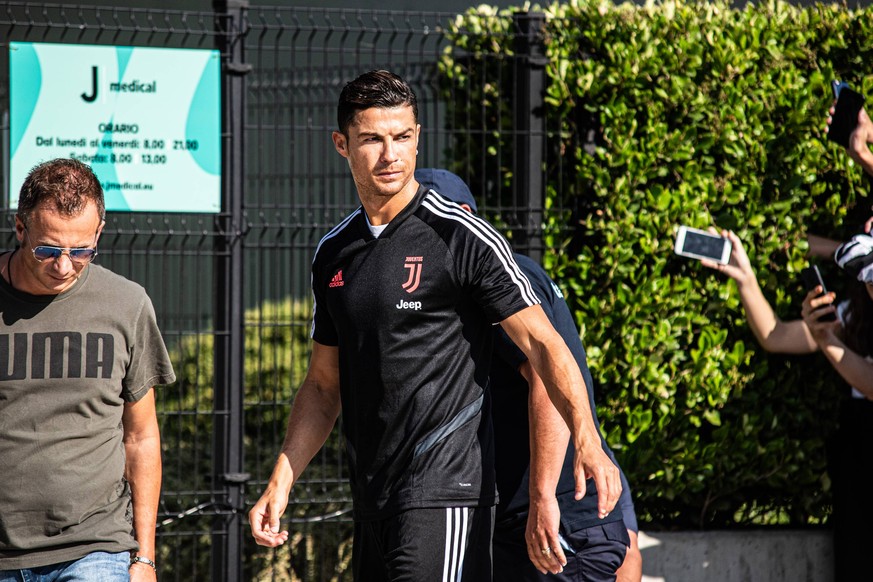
738 556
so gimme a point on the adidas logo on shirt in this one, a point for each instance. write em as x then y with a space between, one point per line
337 280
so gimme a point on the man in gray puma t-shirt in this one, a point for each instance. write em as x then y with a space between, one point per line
80 350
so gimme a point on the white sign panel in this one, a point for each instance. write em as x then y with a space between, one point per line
147 120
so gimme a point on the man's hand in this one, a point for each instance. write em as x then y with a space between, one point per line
543 545
140 572
264 518
592 463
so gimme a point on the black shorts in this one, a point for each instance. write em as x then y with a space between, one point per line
448 544
594 556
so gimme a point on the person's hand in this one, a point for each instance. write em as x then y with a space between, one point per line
815 305
541 534
862 135
858 139
592 463
264 518
738 268
140 572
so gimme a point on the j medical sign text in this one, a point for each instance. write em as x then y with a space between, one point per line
147 120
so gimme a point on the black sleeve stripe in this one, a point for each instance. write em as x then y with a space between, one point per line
485 232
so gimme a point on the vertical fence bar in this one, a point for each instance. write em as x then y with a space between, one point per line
229 478
530 76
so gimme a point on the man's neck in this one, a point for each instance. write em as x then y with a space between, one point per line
382 209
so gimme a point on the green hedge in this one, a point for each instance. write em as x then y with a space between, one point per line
703 115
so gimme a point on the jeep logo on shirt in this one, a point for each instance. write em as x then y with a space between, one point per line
414 305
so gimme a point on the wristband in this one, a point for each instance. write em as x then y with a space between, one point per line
143 560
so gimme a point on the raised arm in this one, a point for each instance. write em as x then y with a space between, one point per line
313 415
774 335
822 247
853 367
532 332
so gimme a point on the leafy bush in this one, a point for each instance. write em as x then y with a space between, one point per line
702 114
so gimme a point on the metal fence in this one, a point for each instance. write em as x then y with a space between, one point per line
231 289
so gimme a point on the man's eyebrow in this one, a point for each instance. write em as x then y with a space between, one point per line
377 134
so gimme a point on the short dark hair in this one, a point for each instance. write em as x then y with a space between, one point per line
381 89
65 183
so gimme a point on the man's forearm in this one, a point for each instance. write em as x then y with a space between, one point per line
143 472
567 391
313 416
549 437
551 359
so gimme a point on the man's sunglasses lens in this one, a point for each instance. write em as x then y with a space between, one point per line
79 255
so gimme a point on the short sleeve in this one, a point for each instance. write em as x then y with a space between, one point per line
486 264
323 329
149 363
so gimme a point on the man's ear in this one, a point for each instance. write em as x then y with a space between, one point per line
19 228
99 231
340 143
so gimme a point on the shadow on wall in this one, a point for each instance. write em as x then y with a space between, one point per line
738 556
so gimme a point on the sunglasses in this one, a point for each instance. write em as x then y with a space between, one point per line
80 256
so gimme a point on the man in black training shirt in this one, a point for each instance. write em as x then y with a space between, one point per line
406 290
593 546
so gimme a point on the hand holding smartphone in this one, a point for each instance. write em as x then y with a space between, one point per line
845 117
812 278
699 244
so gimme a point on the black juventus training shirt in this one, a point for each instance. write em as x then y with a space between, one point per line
411 313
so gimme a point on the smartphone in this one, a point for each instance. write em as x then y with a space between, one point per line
565 545
811 277
845 117
699 244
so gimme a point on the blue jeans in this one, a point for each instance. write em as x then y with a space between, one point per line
95 567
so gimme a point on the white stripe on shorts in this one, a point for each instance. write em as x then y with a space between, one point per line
456 543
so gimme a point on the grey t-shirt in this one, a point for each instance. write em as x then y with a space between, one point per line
68 363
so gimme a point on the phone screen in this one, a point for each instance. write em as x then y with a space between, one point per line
845 118
702 245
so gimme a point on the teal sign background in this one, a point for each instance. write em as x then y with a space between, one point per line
147 120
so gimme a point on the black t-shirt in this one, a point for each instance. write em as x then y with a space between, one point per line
511 425
411 313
